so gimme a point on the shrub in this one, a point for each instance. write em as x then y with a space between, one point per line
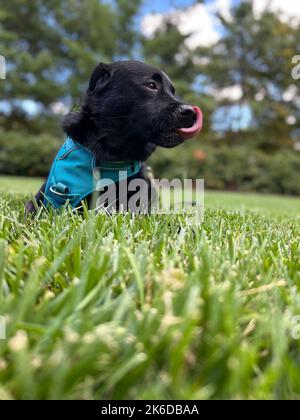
232 168
222 167
25 154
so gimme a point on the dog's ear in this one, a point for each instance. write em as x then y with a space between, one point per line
100 77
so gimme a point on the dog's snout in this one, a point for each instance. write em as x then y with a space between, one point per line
187 111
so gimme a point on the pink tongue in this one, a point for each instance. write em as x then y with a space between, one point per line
188 133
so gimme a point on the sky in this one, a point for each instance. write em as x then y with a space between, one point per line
161 6
201 18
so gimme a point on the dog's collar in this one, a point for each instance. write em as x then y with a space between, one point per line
110 168
75 174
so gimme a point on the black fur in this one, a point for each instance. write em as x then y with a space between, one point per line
127 111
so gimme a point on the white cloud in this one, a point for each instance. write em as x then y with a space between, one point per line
231 93
151 23
291 120
260 96
200 21
59 108
287 9
222 7
290 93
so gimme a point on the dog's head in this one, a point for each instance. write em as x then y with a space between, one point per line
129 109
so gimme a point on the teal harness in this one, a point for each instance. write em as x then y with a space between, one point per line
74 175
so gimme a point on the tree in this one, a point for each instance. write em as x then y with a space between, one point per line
126 30
51 48
167 50
254 55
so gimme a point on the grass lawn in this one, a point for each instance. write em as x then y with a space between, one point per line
151 307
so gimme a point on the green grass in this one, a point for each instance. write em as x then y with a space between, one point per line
267 204
270 205
151 307
19 185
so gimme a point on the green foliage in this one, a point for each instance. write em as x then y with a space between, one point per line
232 168
255 54
51 49
127 35
150 307
27 154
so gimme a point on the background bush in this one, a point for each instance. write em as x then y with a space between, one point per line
27 154
239 168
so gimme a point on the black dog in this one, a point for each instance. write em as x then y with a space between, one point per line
128 110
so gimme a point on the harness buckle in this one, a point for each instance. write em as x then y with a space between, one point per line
60 189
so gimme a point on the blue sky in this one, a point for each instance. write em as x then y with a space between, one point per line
158 6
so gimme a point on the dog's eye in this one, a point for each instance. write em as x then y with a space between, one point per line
151 85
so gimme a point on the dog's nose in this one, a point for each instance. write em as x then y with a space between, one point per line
187 111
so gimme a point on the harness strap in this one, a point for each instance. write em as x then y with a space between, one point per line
75 174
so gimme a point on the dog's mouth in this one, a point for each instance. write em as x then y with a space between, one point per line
172 129
192 128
